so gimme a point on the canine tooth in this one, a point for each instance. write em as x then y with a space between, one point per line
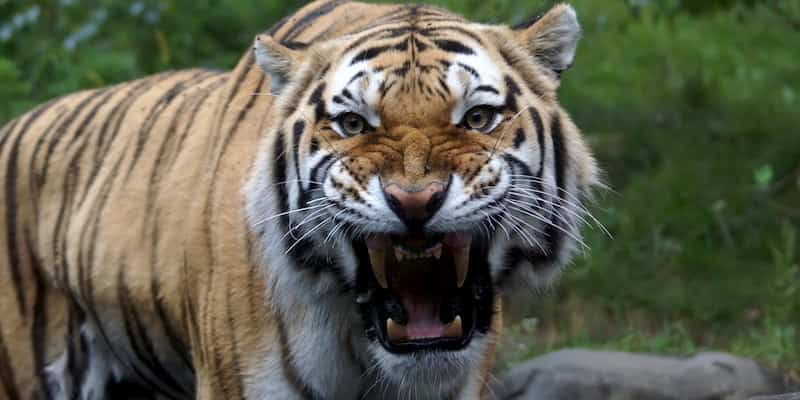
398 254
394 330
363 298
437 251
377 259
453 329
461 261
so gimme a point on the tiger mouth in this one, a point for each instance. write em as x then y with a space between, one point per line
424 292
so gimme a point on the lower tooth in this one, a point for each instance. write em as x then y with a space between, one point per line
363 298
454 329
394 330
437 251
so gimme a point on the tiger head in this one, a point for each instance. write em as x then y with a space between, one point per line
423 169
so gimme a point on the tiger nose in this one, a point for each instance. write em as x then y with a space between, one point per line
415 207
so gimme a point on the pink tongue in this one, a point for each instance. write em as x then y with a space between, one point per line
423 317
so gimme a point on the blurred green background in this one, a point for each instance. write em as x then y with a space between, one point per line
692 109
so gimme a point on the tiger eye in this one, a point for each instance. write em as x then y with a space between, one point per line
352 124
479 118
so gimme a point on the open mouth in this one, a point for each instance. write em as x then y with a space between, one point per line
424 292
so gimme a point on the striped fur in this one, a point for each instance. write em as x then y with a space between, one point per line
160 237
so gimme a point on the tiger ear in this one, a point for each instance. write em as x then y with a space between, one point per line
277 60
551 39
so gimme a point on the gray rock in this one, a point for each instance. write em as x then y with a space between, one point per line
787 396
603 375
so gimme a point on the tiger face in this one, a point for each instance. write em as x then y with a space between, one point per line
423 167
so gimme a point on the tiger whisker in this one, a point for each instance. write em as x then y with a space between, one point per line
271 217
550 223
312 230
579 206
573 213
312 216
334 228
516 228
296 180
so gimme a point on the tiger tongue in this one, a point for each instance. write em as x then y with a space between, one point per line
423 316
423 321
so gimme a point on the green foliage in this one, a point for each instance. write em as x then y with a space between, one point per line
691 107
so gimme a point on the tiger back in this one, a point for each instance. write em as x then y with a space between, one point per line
336 217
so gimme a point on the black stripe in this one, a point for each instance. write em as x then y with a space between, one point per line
279 175
537 123
453 46
189 314
152 118
323 165
287 366
295 45
235 128
61 131
105 137
85 263
7 131
11 208
7 371
313 146
232 94
437 29
527 24
346 93
76 351
297 132
368 54
471 70
519 138
168 144
359 74
177 345
559 154
234 351
87 283
33 176
91 114
206 94
135 329
553 235
300 26
513 91
68 185
38 333
278 25
379 33
317 101
486 88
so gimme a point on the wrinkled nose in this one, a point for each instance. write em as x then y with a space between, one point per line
415 207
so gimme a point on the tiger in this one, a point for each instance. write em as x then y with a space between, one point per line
340 216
